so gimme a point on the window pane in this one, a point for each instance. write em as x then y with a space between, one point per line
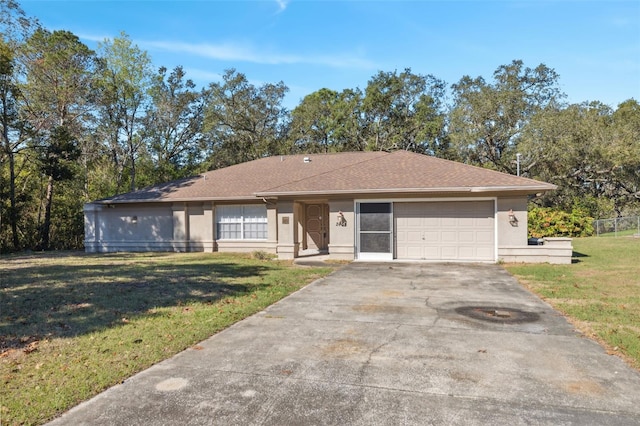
375 216
375 243
255 231
229 214
375 208
229 231
242 222
255 213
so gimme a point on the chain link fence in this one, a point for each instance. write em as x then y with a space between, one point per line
617 226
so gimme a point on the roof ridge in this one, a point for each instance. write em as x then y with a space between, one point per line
459 163
333 169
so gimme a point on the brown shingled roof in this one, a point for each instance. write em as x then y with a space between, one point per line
338 173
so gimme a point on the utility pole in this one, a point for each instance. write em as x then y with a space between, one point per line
518 164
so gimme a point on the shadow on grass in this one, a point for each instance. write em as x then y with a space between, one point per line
575 257
46 301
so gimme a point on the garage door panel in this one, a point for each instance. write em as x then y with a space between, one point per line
449 236
414 237
466 222
466 236
428 252
413 251
449 253
431 236
466 252
449 222
430 221
484 237
451 230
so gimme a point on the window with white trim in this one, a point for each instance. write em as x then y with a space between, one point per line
246 222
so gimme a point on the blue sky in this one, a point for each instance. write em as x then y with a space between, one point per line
593 45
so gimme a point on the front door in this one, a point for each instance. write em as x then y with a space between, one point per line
316 226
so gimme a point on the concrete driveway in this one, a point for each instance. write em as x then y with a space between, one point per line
385 344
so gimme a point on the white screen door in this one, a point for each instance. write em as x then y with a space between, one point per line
375 226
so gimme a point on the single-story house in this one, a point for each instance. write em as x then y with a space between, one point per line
356 205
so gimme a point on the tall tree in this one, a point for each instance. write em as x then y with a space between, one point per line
591 152
173 124
314 122
329 121
350 135
124 81
626 146
404 111
487 118
9 135
244 122
56 100
15 27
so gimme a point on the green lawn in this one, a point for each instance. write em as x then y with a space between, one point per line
626 233
599 292
72 325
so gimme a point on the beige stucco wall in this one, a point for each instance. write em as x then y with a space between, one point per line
272 223
201 227
164 227
287 222
139 227
510 234
342 235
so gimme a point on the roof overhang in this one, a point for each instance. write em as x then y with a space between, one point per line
175 200
271 195
454 190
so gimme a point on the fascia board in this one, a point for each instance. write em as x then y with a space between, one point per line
175 200
531 189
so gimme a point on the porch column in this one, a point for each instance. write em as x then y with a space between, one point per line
272 227
209 242
214 226
180 227
288 244
342 234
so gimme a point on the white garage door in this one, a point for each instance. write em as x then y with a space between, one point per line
452 230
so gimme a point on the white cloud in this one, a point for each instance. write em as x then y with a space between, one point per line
246 53
95 38
223 52
282 5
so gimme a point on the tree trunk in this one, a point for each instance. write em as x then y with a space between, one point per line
46 225
133 173
13 209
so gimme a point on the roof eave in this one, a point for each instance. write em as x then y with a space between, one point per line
528 188
175 200
479 189
271 194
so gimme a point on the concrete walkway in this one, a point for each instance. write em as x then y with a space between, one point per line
385 344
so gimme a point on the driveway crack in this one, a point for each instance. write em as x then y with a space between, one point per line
365 366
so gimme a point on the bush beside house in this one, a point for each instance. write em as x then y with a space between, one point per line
549 222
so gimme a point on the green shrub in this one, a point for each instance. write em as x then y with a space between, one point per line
548 222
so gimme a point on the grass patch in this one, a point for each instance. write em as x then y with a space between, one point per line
599 292
626 233
72 325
